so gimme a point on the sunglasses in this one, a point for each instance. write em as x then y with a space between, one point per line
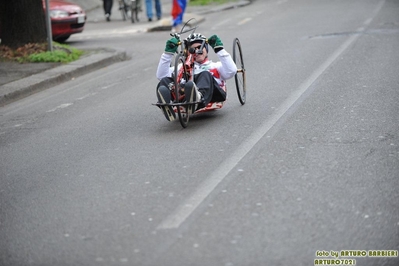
197 47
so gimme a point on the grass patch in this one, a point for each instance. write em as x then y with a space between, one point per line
208 2
59 54
37 53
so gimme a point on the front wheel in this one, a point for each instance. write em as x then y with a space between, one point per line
179 95
122 8
135 8
240 75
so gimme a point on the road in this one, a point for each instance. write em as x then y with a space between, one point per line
93 174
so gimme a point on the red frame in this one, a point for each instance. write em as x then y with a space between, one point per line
189 63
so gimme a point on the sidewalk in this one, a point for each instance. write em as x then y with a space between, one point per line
21 80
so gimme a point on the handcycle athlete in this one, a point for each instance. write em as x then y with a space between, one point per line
209 80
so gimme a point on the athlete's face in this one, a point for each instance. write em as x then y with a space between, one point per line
199 58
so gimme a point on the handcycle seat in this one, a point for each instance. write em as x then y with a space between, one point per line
209 107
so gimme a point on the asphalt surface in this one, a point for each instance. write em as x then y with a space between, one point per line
21 80
94 175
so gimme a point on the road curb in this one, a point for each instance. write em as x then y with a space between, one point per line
96 59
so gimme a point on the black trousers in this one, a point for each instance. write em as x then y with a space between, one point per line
206 84
107 5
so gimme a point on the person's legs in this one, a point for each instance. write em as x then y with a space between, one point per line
158 9
178 19
182 4
209 88
107 4
148 5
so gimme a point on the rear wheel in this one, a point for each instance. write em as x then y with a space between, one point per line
122 8
240 75
179 96
135 8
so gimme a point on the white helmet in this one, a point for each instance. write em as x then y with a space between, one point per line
196 38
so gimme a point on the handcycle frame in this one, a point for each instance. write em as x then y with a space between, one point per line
184 71
134 7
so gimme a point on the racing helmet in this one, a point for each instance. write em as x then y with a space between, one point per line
196 38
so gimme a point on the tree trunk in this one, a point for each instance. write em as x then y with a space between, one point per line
22 22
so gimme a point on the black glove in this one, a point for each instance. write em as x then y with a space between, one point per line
216 43
171 46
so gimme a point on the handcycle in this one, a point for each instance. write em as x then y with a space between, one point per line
130 9
184 71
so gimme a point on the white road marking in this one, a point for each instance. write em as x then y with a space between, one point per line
175 219
62 106
82 83
218 25
244 21
281 2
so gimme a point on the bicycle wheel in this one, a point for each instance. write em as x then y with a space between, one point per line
122 8
128 14
179 98
132 11
240 75
135 8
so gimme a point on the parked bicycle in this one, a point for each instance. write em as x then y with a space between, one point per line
136 7
130 9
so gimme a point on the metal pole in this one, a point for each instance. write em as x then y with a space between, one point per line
48 25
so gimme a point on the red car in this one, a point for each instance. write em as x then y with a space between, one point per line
66 19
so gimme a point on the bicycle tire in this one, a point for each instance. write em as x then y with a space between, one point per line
132 13
239 77
122 8
136 14
135 8
183 116
127 10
